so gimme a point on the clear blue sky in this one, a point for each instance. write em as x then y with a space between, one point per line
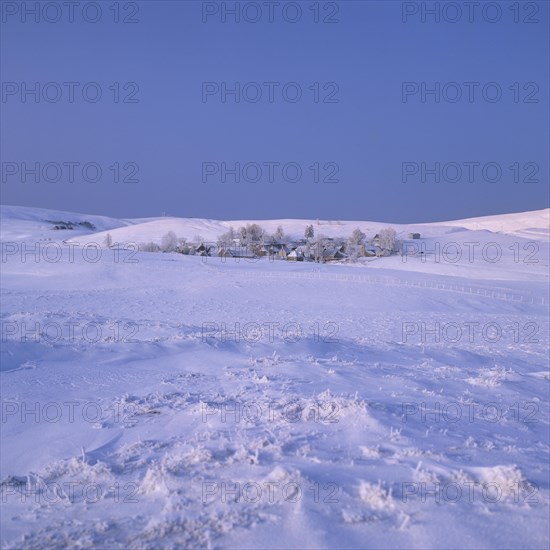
368 132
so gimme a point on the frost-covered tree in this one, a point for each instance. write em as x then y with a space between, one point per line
357 237
149 247
309 233
279 234
169 242
251 234
182 241
227 237
387 239
255 233
242 235
108 241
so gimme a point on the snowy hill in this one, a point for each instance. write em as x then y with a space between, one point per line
473 239
21 223
507 223
30 221
169 401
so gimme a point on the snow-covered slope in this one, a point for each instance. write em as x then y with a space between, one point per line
26 223
168 401
211 229
507 223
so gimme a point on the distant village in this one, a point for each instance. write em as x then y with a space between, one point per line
252 241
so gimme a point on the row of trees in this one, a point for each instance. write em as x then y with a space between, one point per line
254 234
169 242
253 237
250 234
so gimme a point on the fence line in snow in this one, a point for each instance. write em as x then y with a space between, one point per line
505 294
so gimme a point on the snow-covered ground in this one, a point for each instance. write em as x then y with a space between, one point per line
168 401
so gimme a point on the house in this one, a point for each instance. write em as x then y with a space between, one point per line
414 235
295 256
226 251
203 250
185 249
333 254
275 251
264 250
371 250
356 250
282 254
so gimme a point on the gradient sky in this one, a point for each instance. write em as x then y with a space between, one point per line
368 133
